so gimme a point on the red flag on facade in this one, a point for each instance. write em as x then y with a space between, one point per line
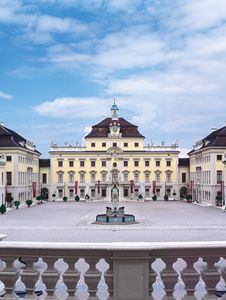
222 189
131 186
98 187
76 187
153 186
34 189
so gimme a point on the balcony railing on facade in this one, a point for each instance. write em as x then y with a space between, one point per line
120 271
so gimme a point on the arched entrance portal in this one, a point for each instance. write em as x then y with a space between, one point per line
183 192
45 193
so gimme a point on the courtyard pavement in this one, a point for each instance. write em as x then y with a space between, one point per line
159 221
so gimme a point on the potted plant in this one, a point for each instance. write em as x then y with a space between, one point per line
77 198
87 197
53 196
140 197
29 202
17 204
166 197
65 198
2 209
154 197
39 199
189 198
219 200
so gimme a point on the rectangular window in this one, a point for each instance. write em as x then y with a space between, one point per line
114 144
104 145
125 163
103 193
8 158
168 163
168 192
93 145
93 163
219 177
60 178
219 157
93 177
157 192
125 144
93 193
9 178
60 193
125 192
136 163
71 163
60 163
136 177
82 177
136 145
157 163
104 177
183 177
147 192
82 163
168 177
147 163
104 163
44 178
71 177
157 177
82 193
147 177
71 193
125 177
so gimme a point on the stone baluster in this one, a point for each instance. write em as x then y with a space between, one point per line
50 276
92 276
152 275
29 275
189 275
210 275
169 275
71 276
109 275
9 275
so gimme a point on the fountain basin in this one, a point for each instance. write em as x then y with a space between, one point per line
125 219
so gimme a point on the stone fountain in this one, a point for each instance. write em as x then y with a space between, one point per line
115 214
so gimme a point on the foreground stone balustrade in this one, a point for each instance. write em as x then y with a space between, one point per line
119 271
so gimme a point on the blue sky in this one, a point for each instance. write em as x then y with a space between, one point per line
63 61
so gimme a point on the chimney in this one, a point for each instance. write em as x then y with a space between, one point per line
213 129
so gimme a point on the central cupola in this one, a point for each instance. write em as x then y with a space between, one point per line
114 111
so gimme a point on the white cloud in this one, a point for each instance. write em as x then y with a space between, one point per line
5 96
74 108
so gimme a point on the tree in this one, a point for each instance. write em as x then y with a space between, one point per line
2 209
77 198
140 197
29 202
154 198
65 198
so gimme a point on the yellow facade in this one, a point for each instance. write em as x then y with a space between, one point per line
114 157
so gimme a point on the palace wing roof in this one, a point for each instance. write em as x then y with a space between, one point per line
127 129
9 138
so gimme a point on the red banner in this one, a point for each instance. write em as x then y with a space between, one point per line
153 186
34 189
76 187
222 189
131 186
98 187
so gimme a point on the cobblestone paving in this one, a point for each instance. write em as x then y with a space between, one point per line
159 221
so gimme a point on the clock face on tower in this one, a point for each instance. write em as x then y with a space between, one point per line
115 129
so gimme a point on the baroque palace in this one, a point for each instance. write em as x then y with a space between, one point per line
114 152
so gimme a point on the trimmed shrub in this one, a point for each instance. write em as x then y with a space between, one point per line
65 198
140 197
53 196
29 202
87 197
154 198
16 204
189 198
77 198
2 209
166 197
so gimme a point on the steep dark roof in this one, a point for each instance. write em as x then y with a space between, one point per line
9 138
45 163
127 129
184 162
